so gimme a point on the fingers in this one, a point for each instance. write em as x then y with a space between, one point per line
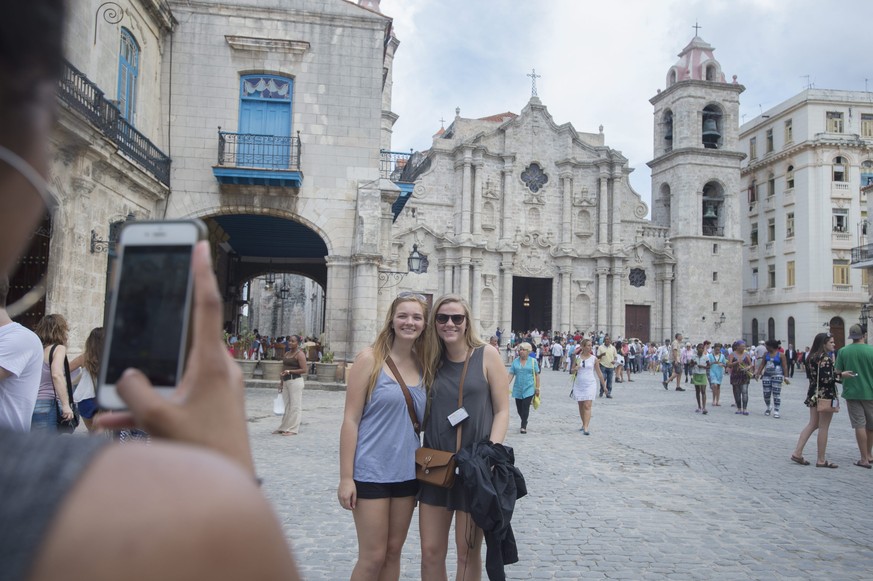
207 300
149 409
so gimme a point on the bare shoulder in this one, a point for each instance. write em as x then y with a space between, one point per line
178 506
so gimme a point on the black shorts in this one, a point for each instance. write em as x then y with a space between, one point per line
373 490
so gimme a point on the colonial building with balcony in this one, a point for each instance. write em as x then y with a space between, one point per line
808 159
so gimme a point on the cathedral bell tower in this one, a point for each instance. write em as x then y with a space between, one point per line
695 193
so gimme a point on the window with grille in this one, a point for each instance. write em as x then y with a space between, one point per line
841 272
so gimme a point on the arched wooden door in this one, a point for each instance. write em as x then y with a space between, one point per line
838 332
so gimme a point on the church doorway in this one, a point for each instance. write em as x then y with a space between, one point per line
636 322
531 304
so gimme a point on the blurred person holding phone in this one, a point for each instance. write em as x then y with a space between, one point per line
191 494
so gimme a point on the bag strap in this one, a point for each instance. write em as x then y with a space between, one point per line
67 373
409 405
461 398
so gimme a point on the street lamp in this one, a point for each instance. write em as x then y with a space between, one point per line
417 263
865 315
720 321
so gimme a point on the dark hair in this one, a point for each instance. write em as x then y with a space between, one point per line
772 344
4 290
31 45
818 345
93 350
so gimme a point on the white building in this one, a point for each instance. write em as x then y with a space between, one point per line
807 160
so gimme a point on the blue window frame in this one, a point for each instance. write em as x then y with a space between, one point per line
128 71
265 121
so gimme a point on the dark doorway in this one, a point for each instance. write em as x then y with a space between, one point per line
531 304
636 322
838 331
32 268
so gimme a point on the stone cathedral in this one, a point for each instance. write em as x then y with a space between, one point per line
536 224
272 121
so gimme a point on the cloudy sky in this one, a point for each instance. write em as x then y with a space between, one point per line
602 61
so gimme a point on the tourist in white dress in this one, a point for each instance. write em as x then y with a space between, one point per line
587 370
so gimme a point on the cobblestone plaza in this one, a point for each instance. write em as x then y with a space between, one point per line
656 492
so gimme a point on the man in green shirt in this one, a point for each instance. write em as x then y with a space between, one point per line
858 391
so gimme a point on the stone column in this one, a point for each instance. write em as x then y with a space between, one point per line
667 303
464 287
364 296
448 287
617 301
506 198
505 296
566 296
476 302
602 299
337 313
476 209
466 194
567 183
615 199
602 215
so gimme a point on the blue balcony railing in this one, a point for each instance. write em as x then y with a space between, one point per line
86 98
250 150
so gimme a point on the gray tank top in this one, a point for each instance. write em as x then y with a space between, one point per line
386 439
439 433
37 471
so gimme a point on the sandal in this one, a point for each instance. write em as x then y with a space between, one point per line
867 466
826 465
800 460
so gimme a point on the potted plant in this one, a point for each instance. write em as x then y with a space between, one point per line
325 370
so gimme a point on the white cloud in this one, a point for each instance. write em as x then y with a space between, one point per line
601 62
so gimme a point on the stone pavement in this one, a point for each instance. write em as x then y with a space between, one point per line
655 492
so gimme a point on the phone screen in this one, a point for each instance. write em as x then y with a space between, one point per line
150 313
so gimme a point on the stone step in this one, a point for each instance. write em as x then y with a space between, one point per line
307 384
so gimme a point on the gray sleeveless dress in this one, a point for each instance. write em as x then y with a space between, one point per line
440 434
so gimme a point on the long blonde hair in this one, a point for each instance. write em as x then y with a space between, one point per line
434 346
385 339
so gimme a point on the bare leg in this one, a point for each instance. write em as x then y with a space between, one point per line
585 413
824 422
862 436
806 432
468 540
434 523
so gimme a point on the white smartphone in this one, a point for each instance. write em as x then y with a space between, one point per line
150 310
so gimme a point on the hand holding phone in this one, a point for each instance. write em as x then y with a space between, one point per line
208 407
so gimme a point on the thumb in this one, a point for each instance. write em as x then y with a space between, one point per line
142 399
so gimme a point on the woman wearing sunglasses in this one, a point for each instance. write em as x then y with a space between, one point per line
588 374
450 340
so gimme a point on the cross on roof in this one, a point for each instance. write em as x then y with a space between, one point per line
533 82
442 123
696 28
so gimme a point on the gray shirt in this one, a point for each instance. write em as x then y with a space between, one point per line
37 471
438 431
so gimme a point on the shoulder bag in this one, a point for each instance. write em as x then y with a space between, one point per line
66 426
437 467
824 405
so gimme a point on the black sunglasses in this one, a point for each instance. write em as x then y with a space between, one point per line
443 318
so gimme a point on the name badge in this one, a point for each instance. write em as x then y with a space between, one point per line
458 416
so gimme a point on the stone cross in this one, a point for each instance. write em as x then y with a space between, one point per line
533 82
696 28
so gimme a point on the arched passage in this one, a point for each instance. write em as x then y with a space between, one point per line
246 246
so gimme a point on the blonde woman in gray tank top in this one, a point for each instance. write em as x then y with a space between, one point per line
378 440
486 399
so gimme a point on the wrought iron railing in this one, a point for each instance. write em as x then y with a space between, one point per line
259 151
393 163
862 253
86 98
